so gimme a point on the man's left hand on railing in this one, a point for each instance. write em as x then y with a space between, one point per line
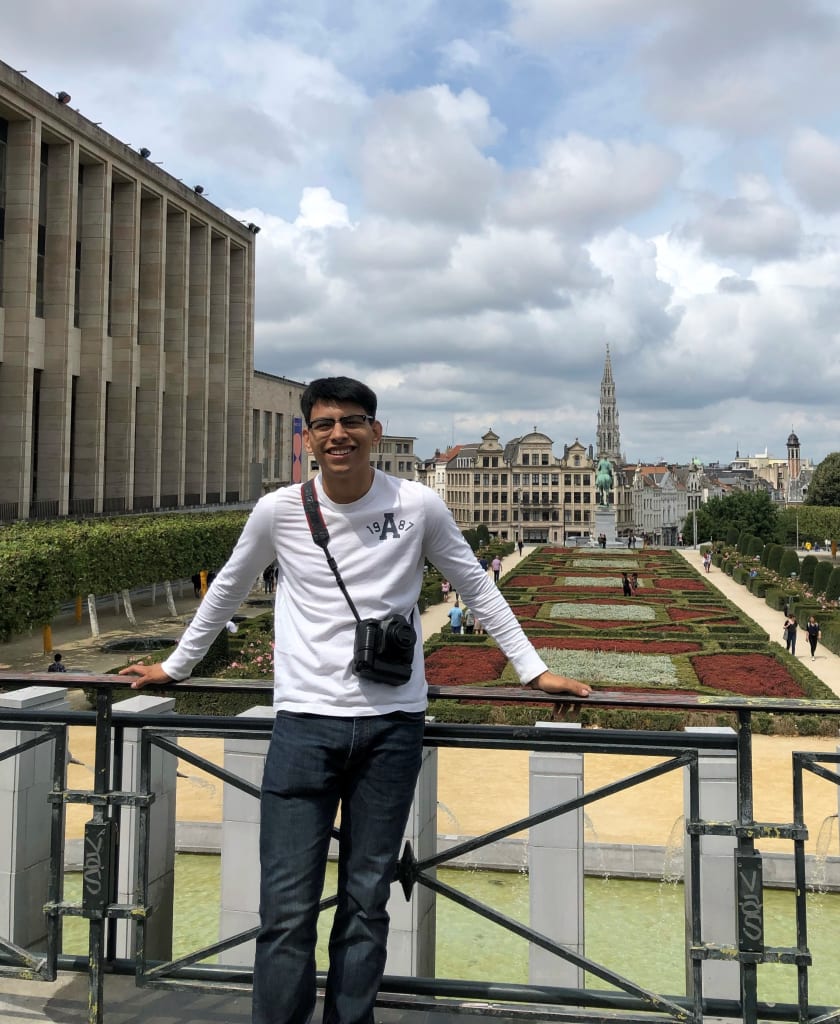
147 675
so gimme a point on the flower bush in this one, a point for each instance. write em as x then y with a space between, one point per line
615 612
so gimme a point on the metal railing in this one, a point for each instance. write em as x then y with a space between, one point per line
632 1002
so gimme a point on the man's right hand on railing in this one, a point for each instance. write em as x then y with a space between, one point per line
147 675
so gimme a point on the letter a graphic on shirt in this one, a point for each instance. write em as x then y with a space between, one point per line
389 527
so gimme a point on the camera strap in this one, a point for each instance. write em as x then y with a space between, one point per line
321 536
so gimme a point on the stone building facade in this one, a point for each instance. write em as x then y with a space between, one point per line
126 323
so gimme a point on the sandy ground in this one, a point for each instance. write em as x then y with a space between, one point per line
479 790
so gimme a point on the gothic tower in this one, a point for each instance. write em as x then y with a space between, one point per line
609 442
794 461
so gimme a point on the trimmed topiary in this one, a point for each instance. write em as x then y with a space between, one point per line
821 575
774 558
732 535
832 588
756 547
789 563
806 568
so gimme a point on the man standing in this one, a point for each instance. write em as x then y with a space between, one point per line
496 566
340 740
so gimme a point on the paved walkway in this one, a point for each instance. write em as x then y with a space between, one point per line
826 665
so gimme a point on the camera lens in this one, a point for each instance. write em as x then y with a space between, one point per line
400 634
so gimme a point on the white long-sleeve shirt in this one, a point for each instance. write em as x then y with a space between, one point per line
380 543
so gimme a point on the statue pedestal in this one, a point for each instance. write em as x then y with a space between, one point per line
605 524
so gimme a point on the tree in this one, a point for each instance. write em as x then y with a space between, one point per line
824 488
750 511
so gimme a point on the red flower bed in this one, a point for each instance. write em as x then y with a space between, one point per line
576 643
531 581
679 584
526 611
751 675
463 665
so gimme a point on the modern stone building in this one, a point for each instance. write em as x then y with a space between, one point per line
126 323
277 455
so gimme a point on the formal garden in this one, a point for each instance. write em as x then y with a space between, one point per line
675 633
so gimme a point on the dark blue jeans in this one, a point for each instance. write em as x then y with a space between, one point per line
369 766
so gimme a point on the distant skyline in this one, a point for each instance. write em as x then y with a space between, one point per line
464 203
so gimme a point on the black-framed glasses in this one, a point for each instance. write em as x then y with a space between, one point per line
325 424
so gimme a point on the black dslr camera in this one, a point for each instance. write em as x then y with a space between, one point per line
383 651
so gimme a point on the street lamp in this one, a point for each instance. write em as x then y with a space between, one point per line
797 531
694 524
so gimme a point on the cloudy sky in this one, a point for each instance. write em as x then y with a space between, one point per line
464 201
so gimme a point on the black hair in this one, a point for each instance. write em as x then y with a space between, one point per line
56 656
337 389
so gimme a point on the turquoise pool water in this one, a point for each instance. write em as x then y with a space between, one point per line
472 948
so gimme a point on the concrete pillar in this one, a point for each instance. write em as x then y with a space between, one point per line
240 376
25 811
161 857
240 895
217 395
411 940
18 358
61 343
150 334
95 364
555 864
718 802
195 485
173 436
121 324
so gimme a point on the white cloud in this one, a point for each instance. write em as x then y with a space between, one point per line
813 167
421 157
582 185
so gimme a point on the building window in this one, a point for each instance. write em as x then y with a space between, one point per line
585 479
4 138
526 460
567 479
77 283
255 435
544 459
42 231
278 444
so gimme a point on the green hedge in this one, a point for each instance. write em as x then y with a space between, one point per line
43 566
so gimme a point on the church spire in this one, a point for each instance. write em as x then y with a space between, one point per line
609 442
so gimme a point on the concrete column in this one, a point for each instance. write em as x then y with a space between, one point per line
718 802
411 940
173 437
240 897
95 364
61 341
240 375
150 335
122 324
218 369
16 372
555 864
25 810
161 834
195 485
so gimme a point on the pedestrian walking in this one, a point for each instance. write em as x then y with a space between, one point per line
789 630
496 566
812 628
